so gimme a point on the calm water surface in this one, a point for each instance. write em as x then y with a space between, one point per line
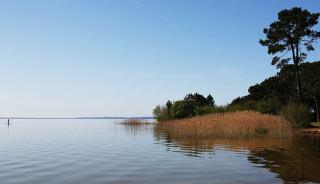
101 151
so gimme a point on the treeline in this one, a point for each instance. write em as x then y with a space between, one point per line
278 95
293 92
192 105
269 95
275 95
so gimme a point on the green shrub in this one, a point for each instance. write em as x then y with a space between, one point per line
241 106
203 110
298 114
161 113
191 105
219 109
270 106
183 109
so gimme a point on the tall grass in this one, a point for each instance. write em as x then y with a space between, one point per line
243 124
135 126
134 122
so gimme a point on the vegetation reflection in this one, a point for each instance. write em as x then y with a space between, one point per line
295 159
136 126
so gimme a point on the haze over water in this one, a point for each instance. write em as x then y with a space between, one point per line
102 151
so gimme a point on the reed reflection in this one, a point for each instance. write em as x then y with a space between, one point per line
136 127
294 160
298 162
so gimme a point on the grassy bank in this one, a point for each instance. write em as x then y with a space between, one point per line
243 124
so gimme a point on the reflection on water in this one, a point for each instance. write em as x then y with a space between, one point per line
135 129
293 160
101 151
299 161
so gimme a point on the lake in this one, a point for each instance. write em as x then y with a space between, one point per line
103 151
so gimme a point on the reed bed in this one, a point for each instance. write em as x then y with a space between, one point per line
135 126
134 122
242 124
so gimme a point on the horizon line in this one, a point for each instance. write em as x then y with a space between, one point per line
84 117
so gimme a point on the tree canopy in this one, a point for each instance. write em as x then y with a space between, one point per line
191 105
272 93
291 33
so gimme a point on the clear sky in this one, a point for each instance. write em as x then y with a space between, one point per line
109 58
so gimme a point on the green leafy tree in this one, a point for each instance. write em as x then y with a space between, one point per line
273 93
210 100
183 109
291 33
297 114
161 113
168 106
198 99
192 105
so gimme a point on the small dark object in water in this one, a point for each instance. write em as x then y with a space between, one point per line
8 121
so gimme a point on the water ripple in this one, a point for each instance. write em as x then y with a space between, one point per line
98 151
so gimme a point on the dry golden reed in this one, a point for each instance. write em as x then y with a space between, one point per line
242 124
134 122
135 126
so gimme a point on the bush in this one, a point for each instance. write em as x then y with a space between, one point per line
191 105
241 106
183 109
161 113
298 114
203 110
269 106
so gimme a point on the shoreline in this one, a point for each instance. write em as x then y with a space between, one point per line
310 131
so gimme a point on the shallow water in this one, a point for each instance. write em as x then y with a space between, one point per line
101 151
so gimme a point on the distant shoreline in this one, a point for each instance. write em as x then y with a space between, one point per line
78 118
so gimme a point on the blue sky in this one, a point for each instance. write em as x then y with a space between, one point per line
123 57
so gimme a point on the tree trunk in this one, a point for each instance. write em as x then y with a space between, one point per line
317 109
295 58
297 71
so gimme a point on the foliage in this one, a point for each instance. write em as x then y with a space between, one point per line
268 105
191 105
210 110
289 34
161 113
210 100
199 100
297 114
183 109
270 95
